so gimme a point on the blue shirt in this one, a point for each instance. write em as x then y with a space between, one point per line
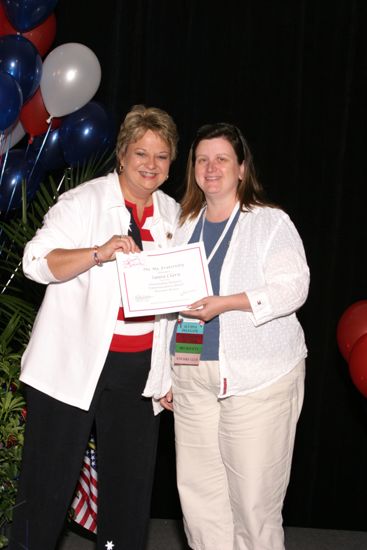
211 233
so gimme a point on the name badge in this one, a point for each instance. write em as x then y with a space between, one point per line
189 341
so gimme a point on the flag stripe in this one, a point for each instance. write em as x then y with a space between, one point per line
84 504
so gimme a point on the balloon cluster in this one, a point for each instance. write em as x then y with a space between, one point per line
352 342
49 98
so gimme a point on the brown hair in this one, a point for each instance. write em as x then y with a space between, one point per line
140 119
249 191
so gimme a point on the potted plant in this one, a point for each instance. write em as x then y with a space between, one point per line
12 420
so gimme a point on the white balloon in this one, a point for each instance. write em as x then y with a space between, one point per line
11 137
71 75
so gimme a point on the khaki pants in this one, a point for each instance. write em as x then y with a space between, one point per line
234 458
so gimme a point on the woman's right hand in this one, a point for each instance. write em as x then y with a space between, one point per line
118 243
66 263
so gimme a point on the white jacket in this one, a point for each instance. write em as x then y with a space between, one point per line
73 329
265 259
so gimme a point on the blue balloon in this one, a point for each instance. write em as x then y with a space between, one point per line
18 167
49 151
11 100
86 132
20 58
24 15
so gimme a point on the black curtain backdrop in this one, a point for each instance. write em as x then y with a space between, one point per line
292 75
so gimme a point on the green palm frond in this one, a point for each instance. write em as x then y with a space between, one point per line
13 328
17 317
18 295
97 165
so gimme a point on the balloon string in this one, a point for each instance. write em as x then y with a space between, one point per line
14 188
7 140
60 183
2 174
26 149
20 263
10 202
11 277
40 151
2 139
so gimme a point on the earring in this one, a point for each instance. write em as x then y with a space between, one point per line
121 168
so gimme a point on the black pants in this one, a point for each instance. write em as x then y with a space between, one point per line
56 437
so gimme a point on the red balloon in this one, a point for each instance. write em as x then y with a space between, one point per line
41 36
352 325
358 364
33 116
5 26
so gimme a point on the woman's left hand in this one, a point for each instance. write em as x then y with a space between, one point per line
211 306
206 309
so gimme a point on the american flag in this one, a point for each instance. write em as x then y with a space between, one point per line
84 505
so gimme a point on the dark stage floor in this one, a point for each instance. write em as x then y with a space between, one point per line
167 534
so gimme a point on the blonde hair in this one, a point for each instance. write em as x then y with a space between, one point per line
140 119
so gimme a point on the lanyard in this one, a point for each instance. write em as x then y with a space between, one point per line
223 234
190 332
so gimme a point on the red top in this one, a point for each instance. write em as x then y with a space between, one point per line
133 334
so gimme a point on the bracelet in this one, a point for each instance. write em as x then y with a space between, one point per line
96 258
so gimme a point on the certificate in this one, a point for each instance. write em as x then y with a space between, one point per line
163 280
